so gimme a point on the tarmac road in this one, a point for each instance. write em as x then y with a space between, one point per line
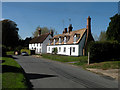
44 73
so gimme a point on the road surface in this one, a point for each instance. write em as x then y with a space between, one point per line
44 73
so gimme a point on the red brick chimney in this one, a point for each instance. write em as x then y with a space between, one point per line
39 32
70 28
89 35
88 25
51 33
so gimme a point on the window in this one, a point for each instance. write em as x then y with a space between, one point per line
40 50
49 49
65 40
54 41
59 39
74 38
64 49
59 49
73 49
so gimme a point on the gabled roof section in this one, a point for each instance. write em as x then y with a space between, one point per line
39 39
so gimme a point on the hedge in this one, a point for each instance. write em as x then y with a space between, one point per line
25 50
104 51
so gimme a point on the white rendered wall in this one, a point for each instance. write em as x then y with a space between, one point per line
76 53
38 47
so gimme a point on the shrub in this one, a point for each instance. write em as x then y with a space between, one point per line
55 50
102 51
25 50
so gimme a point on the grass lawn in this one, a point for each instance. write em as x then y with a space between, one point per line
60 58
82 61
105 65
12 74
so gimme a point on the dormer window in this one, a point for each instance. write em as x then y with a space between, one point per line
76 37
60 40
65 40
54 41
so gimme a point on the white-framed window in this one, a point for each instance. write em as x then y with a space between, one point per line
64 49
40 50
75 38
59 40
64 40
59 49
73 49
48 48
54 41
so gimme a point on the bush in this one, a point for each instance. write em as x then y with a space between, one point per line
102 51
55 50
25 50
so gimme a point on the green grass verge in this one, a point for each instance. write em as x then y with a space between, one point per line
82 61
12 76
60 58
10 52
105 65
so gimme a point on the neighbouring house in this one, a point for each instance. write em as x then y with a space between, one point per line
71 43
39 44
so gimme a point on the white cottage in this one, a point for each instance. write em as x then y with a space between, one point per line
71 43
39 44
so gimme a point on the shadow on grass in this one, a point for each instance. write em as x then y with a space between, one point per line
39 76
2 61
6 68
10 56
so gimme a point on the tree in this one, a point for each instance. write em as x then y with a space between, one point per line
10 35
43 31
26 41
113 30
102 36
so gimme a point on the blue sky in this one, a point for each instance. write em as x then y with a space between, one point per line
29 15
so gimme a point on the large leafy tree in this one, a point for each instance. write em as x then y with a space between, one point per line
43 31
113 31
10 35
102 36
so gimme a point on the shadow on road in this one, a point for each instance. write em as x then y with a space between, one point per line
38 76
